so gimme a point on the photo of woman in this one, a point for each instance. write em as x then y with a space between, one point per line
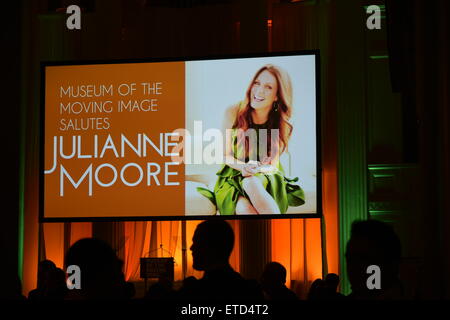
257 130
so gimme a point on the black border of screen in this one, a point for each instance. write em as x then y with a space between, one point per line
319 207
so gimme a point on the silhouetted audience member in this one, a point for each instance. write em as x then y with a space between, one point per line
11 287
273 282
57 284
325 289
373 243
161 290
45 267
51 282
211 248
101 271
332 281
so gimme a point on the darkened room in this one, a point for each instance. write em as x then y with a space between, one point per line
357 89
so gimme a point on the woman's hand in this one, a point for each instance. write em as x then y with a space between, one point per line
249 169
266 160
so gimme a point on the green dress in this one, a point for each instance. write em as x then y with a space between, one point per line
228 187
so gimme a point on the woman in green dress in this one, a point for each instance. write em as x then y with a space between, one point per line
252 180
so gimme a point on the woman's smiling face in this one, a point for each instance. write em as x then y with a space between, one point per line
264 91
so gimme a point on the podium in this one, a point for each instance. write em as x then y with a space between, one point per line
156 268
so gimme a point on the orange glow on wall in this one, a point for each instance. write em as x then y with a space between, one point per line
54 243
31 228
330 209
80 230
296 244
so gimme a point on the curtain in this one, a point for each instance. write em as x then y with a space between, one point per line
53 243
53 237
135 247
309 248
80 230
296 244
138 241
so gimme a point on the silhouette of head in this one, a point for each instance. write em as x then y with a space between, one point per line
45 271
212 244
372 243
332 281
101 274
274 275
57 279
325 289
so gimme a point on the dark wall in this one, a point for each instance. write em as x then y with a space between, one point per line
10 28
420 71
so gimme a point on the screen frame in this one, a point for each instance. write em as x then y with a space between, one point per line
319 206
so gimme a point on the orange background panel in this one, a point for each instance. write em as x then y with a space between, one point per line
118 199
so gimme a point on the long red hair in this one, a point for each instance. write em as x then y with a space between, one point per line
278 117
